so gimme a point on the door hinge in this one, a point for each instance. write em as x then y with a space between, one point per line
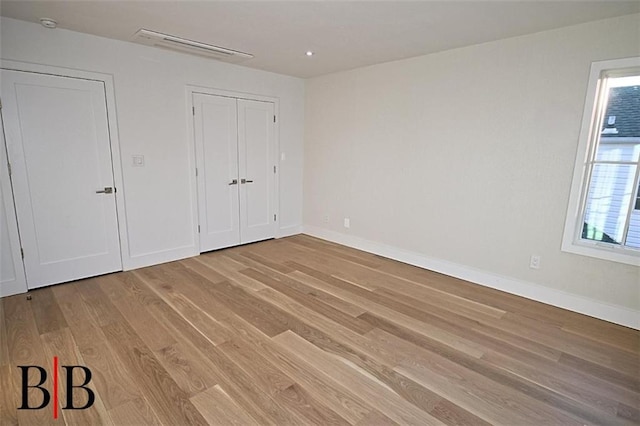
274 169
22 252
196 171
274 217
274 118
198 229
0 103
9 167
193 110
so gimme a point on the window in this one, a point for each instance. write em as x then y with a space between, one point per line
603 218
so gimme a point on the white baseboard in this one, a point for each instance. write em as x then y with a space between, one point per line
573 302
164 256
10 288
288 231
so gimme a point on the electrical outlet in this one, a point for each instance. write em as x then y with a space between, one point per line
347 222
534 263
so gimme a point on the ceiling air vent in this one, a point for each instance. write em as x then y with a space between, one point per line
166 41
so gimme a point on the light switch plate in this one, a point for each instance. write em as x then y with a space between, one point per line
138 160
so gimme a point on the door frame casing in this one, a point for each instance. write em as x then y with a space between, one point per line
114 139
19 284
193 184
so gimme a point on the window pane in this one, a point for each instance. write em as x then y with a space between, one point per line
610 192
620 132
610 150
633 237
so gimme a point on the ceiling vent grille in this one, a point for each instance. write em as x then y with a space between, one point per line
166 41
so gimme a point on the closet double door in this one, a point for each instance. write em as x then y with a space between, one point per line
236 169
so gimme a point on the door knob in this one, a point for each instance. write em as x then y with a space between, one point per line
234 182
106 190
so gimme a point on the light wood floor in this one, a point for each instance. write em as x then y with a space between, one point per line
301 331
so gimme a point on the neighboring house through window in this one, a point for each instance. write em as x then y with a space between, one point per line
603 218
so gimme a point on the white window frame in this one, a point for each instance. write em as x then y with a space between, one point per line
572 241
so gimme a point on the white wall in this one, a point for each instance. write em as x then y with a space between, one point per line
151 102
462 161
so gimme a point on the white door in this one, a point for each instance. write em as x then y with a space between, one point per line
257 173
58 145
235 152
216 136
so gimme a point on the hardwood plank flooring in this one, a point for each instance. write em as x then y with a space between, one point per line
304 331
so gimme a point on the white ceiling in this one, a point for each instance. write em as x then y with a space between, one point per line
343 35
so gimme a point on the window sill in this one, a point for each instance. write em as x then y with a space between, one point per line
610 253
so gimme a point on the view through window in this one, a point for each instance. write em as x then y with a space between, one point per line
612 204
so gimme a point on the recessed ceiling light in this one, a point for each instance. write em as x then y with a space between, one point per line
309 53
48 23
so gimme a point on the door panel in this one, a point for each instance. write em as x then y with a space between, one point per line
255 139
58 144
216 137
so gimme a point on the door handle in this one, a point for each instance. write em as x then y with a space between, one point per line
234 182
106 190
245 181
